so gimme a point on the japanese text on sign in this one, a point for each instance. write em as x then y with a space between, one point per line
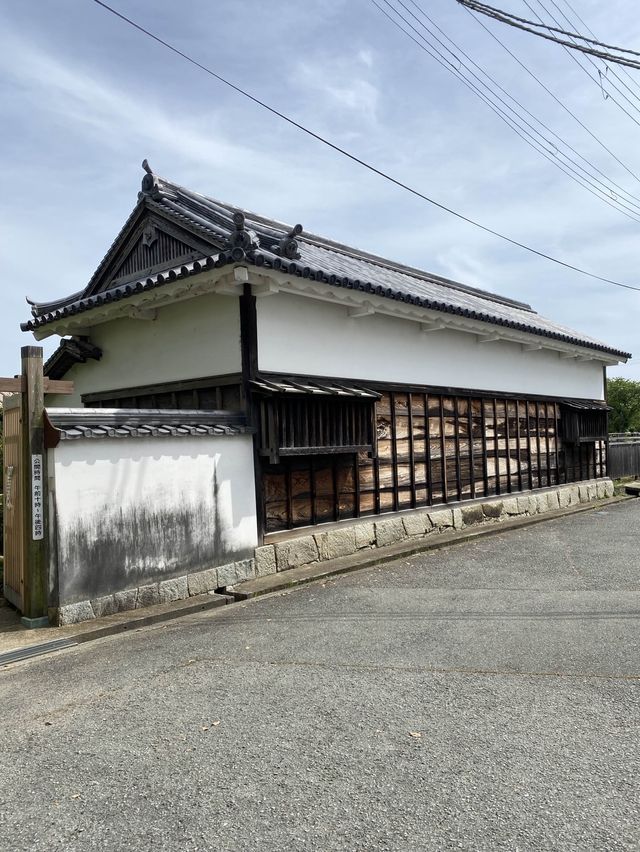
37 496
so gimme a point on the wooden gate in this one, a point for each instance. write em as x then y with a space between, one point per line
13 503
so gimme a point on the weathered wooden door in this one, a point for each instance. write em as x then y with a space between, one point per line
13 503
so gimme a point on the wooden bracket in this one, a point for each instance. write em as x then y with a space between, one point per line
362 311
436 325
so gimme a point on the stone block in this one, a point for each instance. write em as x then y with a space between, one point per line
416 524
493 510
600 489
472 515
553 501
336 543
125 600
441 519
245 570
524 506
542 503
265 560
458 519
148 595
75 612
176 589
564 498
389 531
365 535
510 506
298 551
574 495
227 575
202 582
592 491
608 488
104 606
583 494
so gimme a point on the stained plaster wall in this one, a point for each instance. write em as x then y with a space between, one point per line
297 334
130 511
191 339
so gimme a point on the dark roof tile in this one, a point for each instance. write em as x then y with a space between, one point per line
254 239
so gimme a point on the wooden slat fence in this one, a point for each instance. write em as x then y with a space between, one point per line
624 454
13 514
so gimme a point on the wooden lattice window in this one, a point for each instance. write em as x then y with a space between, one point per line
315 425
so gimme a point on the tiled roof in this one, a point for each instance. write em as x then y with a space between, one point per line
74 423
296 386
240 236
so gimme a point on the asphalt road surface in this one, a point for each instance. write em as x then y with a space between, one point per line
485 697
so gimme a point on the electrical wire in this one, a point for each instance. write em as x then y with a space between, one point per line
532 27
355 159
590 31
623 70
553 95
570 168
602 78
541 123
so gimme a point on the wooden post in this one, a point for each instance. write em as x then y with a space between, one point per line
35 602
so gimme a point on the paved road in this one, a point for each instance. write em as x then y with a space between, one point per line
481 698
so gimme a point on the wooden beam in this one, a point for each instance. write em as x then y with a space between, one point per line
19 385
11 385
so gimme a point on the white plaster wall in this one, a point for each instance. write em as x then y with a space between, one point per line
130 511
304 336
190 339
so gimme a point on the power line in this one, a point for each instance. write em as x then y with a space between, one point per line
541 123
601 51
602 78
359 161
591 33
571 168
607 67
553 95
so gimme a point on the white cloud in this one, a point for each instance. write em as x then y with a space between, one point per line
339 85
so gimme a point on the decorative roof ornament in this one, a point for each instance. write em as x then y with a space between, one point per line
288 245
149 234
243 240
152 185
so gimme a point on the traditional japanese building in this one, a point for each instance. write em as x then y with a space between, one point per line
370 386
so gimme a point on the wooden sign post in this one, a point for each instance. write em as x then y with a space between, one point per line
35 594
31 593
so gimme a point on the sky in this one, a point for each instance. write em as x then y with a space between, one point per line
84 98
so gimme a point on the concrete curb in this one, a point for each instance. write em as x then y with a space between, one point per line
121 622
370 558
109 625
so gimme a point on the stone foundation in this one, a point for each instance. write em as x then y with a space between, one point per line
164 591
342 539
380 531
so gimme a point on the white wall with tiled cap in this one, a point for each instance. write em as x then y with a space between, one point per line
136 511
312 337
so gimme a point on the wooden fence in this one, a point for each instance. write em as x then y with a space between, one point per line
624 454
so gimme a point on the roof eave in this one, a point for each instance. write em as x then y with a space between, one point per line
46 326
